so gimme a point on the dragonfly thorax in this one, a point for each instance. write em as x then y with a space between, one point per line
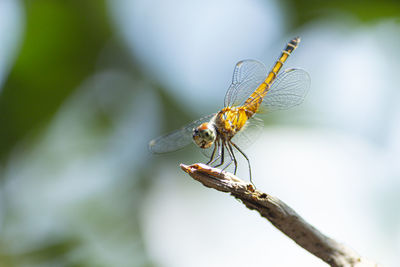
204 135
230 120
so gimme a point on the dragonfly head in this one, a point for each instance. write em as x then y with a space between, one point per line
204 135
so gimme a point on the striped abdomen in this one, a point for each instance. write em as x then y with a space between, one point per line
253 103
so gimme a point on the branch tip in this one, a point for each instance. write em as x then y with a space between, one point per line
280 215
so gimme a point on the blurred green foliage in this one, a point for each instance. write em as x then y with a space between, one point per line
369 11
54 251
60 47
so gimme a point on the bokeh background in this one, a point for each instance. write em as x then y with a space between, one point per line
84 85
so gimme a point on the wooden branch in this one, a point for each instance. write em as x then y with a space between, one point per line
280 215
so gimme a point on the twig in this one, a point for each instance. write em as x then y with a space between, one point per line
280 215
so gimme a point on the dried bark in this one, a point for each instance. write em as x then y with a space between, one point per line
280 215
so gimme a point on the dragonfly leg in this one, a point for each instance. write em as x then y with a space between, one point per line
248 161
213 153
232 155
219 153
222 155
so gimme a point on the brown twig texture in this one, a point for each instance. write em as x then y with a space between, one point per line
280 215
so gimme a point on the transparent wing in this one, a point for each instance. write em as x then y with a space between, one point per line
247 76
245 137
177 139
288 90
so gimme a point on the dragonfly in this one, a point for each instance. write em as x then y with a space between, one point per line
253 90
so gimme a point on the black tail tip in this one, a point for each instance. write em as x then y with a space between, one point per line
294 42
296 39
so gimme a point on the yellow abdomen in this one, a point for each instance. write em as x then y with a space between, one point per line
253 103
